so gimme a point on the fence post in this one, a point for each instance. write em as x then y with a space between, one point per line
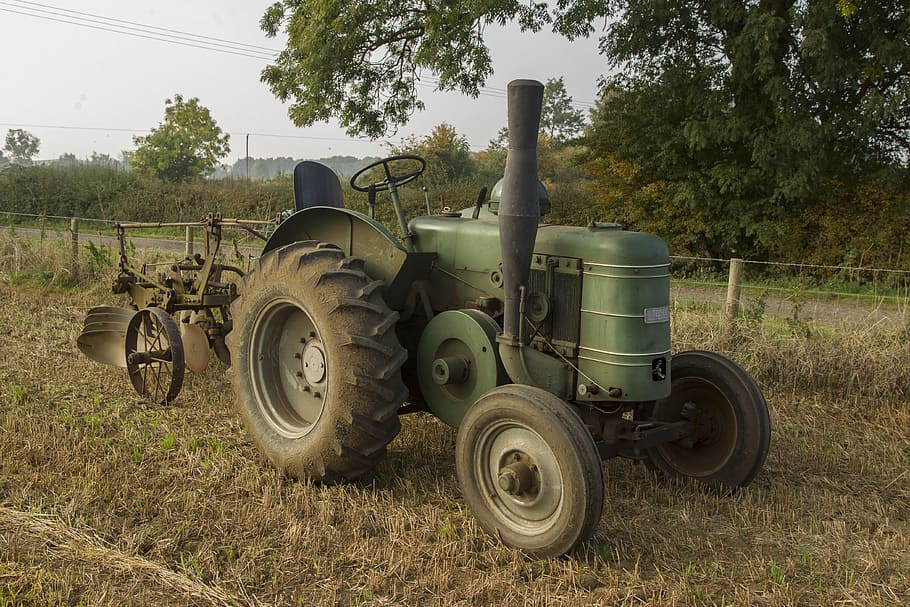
189 242
734 286
74 235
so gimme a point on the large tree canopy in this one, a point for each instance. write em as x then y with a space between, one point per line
742 111
839 68
360 60
733 111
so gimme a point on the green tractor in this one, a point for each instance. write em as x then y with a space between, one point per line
547 346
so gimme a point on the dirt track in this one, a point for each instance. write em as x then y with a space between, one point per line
824 309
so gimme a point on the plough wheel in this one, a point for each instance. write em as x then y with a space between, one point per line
154 355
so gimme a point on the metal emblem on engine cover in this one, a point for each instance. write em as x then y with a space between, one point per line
654 316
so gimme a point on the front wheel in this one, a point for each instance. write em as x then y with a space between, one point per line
730 420
529 470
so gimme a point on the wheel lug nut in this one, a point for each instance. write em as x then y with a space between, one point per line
300 374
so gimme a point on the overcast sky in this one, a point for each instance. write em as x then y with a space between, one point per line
56 74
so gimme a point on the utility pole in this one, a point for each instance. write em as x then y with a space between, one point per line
248 157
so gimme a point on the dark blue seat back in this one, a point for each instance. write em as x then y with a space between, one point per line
316 185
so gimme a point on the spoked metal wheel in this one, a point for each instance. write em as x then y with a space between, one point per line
529 470
290 382
729 415
154 355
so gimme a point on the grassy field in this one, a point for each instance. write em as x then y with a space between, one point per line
106 500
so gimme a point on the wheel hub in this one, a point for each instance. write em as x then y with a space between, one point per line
291 383
520 478
313 360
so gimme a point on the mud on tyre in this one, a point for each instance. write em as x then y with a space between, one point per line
317 364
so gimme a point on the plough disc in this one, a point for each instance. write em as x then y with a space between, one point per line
103 334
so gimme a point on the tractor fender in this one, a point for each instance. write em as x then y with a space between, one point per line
360 236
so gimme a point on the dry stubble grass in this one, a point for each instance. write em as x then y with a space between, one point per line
105 500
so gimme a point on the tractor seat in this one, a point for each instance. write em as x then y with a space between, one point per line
316 185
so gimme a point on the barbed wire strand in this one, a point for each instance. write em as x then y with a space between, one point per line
793 264
672 257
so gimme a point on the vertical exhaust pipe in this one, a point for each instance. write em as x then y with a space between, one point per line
519 208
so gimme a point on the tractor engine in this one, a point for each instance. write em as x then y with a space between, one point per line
584 310
596 302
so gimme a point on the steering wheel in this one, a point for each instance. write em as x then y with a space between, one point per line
390 179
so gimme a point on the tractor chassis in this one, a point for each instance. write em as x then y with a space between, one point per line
631 439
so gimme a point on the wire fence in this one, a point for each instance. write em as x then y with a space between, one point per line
794 279
783 280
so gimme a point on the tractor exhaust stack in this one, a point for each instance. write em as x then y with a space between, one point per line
519 210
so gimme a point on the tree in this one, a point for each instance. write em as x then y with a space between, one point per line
361 60
558 119
740 112
447 153
187 145
21 145
98 158
737 111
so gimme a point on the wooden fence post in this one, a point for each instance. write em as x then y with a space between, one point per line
189 242
74 235
734 286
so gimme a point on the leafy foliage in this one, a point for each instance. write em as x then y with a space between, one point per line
742 113
361 60
447 153
729 118
21 145
187 145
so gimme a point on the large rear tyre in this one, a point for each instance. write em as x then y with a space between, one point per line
529 470
732 424
316 363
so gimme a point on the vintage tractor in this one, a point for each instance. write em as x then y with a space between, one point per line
548 347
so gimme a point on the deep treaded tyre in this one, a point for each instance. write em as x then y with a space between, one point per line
317 364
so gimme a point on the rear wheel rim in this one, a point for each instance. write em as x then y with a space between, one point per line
290 372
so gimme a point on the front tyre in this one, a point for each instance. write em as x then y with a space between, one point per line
316 363
732 427
529 470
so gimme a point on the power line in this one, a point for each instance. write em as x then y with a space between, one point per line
151 35
146 26
187 39
126 130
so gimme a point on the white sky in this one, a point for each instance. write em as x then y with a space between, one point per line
58 74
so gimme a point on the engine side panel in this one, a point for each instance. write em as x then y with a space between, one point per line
608 293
